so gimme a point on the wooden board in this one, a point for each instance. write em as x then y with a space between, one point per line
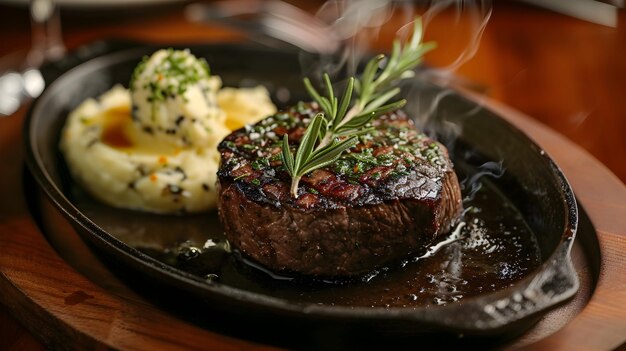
74 300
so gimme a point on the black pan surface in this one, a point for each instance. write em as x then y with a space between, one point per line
526 180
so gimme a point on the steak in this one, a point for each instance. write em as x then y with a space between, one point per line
387 198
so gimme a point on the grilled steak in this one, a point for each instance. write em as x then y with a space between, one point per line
387 198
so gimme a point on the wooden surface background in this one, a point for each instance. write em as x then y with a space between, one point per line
566 73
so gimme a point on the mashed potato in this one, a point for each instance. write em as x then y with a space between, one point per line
243 105
151 160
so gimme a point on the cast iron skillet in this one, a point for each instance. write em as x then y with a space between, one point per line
533 183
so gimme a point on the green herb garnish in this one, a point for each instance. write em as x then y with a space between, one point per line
172 76
336 130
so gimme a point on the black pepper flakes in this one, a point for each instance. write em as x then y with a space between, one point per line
181 171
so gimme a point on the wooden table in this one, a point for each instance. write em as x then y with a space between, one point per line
565 73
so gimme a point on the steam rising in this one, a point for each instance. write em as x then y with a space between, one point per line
477 12
471 185
358 23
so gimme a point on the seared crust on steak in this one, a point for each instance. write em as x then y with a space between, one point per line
386 199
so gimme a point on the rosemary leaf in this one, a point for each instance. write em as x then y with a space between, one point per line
307 143
287 156
329 155
332 111
312 92
356 122
345 101
389 108
362 131
381 99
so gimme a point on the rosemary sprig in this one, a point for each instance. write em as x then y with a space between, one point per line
336 130
309 158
